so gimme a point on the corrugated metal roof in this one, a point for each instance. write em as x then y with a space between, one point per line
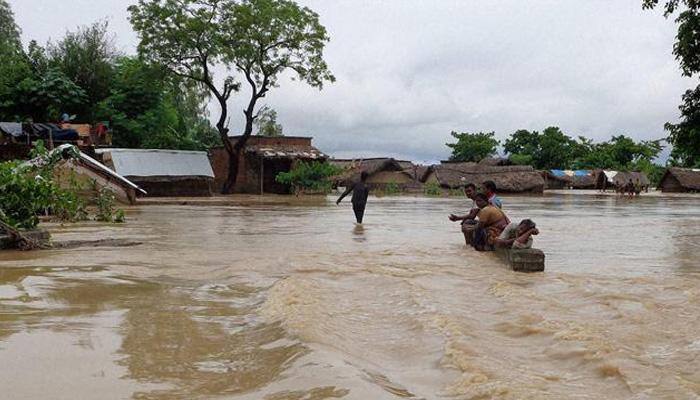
147 162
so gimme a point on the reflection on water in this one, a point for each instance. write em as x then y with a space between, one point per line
251 300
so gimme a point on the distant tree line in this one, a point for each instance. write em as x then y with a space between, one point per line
553 149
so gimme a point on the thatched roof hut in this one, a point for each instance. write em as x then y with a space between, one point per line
555 179
382 172
606 179
512 179
584 179
680 180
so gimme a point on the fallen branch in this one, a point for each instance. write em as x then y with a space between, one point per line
23 242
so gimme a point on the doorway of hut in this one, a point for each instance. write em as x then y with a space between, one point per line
272 167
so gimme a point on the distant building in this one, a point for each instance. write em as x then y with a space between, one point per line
261 160
163 172
383 172
618 180
680 180
511 179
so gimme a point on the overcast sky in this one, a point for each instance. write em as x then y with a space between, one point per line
411 71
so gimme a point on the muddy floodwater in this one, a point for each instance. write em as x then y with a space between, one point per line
287 299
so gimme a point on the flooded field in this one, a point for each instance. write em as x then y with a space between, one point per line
286 299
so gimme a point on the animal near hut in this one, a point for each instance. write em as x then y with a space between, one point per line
680 180
262 159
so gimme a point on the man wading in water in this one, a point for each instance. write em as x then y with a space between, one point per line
360 191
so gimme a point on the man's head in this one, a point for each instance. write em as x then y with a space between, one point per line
470 190
481 199
363 176
490 187
525 225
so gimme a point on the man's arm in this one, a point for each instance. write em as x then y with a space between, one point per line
471 215
522 239
345 193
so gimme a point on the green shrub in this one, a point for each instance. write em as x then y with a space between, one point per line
392 188
432 189
314 177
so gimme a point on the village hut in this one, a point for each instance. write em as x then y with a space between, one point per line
262 159
510 179
383 173
163 172
90 176
583 179
680 180
555 179
618 179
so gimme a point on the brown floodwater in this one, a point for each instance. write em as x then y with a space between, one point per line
279 298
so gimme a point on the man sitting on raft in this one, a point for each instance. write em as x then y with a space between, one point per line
492 221
518 235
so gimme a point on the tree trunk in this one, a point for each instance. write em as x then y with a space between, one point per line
236 149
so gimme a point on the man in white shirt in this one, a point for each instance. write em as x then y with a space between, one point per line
518 235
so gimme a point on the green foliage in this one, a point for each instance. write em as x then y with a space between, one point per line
653 171
552 149
10 43
147 108
267 123
23 196
26 191
44 98
432 189
309 176
521 159
685 135
86 57
546 150
473 147
106 210
392 188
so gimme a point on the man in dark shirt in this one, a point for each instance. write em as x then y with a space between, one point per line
360 192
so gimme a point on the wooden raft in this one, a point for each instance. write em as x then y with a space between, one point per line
520 260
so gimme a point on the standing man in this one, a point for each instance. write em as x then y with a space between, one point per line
360 192
490 192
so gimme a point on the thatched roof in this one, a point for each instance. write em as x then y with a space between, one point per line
622 178
513 179
352 168
687 177
548 174
583 181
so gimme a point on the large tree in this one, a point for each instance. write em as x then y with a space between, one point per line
9 32
547 150
252 40
685 135
87 57
473 147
